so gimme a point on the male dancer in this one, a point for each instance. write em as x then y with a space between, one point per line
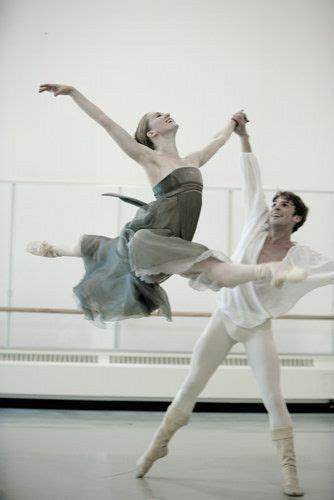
243 315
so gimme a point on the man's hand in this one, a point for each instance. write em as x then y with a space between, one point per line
241 120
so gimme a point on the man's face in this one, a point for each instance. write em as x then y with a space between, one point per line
282 213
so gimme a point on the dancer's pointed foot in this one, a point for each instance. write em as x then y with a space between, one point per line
146 461
293 489
41 248
277 274
172 421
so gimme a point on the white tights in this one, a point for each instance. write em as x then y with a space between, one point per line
69 250
211 349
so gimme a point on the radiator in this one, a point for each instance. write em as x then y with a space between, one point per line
151 376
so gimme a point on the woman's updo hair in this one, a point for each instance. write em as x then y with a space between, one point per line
141 132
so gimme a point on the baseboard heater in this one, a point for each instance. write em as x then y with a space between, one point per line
152 376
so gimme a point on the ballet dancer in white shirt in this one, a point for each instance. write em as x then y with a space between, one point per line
244 315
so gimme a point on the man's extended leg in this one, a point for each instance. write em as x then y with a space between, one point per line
211 348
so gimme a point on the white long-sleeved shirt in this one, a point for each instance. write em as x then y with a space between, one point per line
251 304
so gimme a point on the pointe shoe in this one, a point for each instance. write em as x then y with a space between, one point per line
277 275
283 438
41 248
172 421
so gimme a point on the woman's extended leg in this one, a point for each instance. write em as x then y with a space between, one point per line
264 360
211 348
44 249
231 275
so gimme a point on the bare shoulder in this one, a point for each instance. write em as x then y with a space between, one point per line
151 166
146 157
192 160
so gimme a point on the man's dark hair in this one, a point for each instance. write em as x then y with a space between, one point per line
300 208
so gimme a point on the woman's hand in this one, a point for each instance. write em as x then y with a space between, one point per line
56 89
240 119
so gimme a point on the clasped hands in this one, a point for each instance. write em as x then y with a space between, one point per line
240 119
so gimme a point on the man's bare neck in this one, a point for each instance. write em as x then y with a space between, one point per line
276 246
280 236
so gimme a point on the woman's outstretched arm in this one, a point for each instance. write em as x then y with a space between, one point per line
126 142
203 155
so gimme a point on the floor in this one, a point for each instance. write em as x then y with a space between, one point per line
91 455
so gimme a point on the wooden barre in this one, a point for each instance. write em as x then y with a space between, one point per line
181 314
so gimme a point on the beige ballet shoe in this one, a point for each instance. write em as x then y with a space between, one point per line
283 438
42 249
277 275
172 421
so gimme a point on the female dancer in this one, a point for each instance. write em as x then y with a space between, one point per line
123 274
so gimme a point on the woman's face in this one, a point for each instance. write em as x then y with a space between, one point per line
161 122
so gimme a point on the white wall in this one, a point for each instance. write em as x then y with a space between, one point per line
201 61
28 281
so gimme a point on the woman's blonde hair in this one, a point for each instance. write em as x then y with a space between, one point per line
141 132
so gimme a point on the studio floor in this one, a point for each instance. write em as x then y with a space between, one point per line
91 455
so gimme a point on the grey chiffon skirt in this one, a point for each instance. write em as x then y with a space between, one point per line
123 274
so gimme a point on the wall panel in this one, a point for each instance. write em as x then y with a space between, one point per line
56 331
5 228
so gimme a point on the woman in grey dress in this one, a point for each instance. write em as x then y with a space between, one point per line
123 274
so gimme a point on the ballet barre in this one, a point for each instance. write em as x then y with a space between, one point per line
180 314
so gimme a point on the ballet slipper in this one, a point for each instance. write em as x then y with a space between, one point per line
172 421
277 275
283 438
42 249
